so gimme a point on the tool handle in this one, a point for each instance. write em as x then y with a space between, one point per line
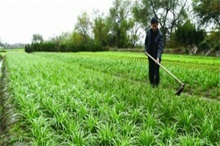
164 68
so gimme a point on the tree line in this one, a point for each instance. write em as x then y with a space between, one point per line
182 23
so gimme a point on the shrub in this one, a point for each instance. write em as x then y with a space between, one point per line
217 46
28 48
89 45
203 46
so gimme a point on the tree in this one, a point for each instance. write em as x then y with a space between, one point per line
208 11
119 22
101 29
65 36
135 32
169 12
37 38
83 25
141 13
188 35
213 38
76 38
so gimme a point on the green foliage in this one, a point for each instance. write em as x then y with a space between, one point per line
187 35
204 46
37 38
217 46
28 48
75 43
83 25
146 138
63 38
207 11
105 98
46 47
135 34
144 10
101 30
213 38
141 12
199 36
119 22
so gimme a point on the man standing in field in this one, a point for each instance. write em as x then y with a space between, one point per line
154 45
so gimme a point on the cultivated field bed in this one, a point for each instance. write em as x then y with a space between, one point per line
105 98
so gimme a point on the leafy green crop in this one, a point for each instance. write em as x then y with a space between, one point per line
105 99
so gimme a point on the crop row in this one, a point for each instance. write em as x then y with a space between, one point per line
202 79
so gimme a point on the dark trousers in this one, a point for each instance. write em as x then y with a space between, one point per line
154 75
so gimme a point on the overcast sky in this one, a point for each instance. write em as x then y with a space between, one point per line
20 19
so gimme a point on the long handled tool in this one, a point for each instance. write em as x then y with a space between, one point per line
181 83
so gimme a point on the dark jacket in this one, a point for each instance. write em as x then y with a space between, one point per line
155 50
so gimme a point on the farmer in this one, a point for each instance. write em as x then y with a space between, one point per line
154 46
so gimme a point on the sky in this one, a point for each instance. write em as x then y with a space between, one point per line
20 19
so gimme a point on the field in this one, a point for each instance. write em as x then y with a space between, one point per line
105 99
